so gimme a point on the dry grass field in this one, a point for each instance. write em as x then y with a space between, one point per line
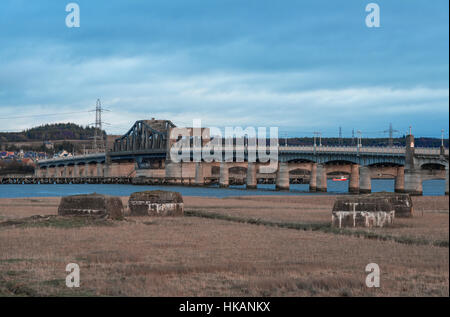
247 246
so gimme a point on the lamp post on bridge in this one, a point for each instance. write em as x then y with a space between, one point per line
317 134
359 146
285 134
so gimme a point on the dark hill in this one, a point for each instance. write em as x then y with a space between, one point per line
58 131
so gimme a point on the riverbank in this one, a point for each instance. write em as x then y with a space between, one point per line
234 246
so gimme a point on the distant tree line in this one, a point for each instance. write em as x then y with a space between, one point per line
58 131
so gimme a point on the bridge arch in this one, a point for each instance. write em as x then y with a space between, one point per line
338 169
433 166
340 162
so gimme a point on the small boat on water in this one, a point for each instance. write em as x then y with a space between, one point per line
340 179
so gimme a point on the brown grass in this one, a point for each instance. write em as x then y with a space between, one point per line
191 256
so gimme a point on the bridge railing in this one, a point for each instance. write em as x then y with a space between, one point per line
293 148
363 149
429 151
70 158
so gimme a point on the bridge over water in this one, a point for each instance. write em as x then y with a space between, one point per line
142 155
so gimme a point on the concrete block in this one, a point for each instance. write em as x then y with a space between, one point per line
402 203
94 205
362 211
156 203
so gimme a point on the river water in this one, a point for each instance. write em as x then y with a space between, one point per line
430 188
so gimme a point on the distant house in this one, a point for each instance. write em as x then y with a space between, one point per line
7 155
48 145
41 155
62 154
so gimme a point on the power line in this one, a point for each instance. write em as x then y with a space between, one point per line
43 115
391 134
98 126
98 122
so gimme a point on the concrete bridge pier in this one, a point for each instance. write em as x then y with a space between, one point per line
413 182
282 182
251 176
199 178
400 180
56 171
107 165
76 170
99 170
224 180
413 177
322 178
313 178
65 172
106 172
173 170
365 184
85 171
353 186
446 180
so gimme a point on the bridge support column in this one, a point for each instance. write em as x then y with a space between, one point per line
313 178
400 180
251 176
321 178
76 170
99 170
224 180
446 180
106 172
86 170
65 171
413 182
365 184
353 186
56 171
199 178
283 177
173 170
107 165
413 177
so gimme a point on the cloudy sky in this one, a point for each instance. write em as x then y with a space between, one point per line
302 66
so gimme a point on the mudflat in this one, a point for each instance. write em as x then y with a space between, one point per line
237 246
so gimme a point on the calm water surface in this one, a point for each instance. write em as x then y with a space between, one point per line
430 188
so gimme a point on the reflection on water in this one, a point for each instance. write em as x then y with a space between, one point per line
430 188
